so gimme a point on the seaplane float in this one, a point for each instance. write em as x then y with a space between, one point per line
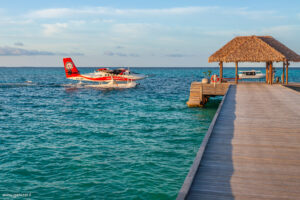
105 77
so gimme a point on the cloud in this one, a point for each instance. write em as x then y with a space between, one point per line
120 54
137 30
70 54
190 10
68 12
270 30
51 13
107 20
19 44
110 53
251 14
167 11
11 51
77 22
283 29
230 33
51 29
129 29
134 55
14 21
177 55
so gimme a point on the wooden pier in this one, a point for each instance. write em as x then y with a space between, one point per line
200 92
252 147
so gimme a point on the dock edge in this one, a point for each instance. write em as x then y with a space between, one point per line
184 191
290 89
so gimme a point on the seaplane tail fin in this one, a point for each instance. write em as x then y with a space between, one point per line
70 68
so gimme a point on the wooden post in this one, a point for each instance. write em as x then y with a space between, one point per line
201 95
287 72
236 72
221 70
283 71
271 73
267 72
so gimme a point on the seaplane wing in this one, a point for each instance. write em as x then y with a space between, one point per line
100 75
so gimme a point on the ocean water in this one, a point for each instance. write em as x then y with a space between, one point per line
83 143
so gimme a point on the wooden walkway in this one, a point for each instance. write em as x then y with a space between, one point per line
253 151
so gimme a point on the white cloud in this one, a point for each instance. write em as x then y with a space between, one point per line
131 29
14 21
167 11
50 13
71 12
68 12
51 29
77 22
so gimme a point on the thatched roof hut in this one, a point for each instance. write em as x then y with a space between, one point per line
255 49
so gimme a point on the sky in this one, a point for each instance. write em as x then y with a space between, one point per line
132 33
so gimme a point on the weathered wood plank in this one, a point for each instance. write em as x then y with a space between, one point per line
192 173
199 92
254 148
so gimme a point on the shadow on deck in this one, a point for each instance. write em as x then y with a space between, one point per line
213 165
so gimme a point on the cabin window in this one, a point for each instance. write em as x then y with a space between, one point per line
249 73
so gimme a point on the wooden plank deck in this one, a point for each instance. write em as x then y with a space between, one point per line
200 91
253 151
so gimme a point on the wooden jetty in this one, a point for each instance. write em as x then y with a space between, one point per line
200 92
252 148
256 49
244 49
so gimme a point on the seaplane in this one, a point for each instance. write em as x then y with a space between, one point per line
107 78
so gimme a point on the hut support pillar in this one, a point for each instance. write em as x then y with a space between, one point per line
221 70
267 72
283 72
287 73
271 73
236 73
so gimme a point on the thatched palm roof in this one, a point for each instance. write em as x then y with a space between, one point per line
254 49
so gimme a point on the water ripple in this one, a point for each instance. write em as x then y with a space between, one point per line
57 142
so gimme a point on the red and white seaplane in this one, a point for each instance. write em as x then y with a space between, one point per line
117 78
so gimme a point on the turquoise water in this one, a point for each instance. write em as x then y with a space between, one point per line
70 143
